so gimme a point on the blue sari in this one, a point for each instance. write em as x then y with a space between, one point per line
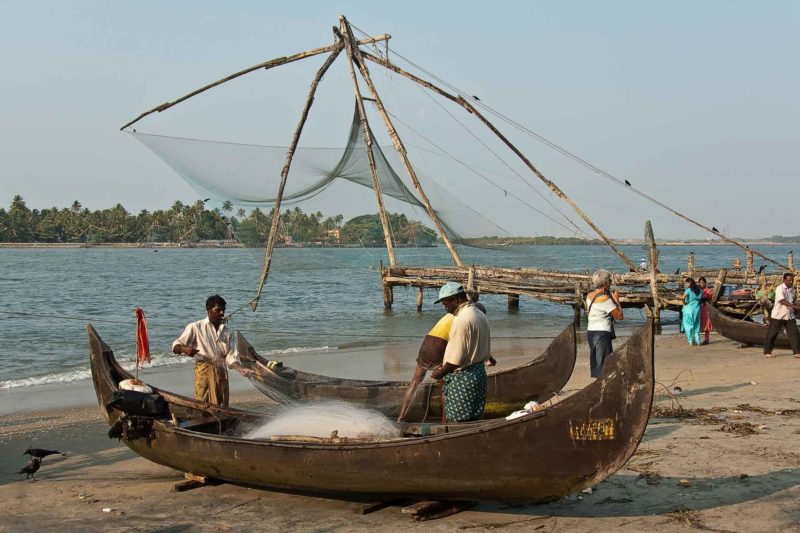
691 315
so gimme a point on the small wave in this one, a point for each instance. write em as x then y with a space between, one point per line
127 362
299 349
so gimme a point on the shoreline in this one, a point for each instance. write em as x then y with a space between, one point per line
226 244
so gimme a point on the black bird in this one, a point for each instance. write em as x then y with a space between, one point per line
206 199
40 453
31 468
677 271
761 269
714 229
476 98
628 183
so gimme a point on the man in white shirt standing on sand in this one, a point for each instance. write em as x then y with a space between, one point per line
783 317
211 339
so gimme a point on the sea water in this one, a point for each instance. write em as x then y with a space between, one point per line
316 301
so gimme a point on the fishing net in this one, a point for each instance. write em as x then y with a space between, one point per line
249 175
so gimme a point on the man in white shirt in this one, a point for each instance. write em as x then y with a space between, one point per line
466 356
214 344
783 317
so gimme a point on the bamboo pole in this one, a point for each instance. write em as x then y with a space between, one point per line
376 184
651 244
718 284
466 105
265 65
276 213
398 143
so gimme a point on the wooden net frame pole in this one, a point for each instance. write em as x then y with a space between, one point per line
358 58
466 105
651 245
276 212
265 65
373 168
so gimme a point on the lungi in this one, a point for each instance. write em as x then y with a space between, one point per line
465 393
211 384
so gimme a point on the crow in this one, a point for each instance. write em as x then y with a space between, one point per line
628 183
31 468
40 453
476 98
677 271
714 229
761 269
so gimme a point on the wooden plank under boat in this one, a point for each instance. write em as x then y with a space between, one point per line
742 331
507 390
574 444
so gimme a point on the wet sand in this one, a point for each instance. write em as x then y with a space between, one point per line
687 474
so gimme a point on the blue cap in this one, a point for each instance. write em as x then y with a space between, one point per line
451 288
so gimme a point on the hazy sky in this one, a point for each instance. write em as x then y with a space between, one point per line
696 103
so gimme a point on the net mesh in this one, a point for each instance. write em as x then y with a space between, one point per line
248 175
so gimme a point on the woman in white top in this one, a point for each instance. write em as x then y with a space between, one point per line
602 308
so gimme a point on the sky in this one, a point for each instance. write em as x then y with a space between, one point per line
695 103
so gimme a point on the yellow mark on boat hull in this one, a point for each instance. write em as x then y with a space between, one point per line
598 429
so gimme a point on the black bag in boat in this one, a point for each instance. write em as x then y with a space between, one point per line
137 403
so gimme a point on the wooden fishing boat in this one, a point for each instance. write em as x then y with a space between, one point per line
507 390
742 331
566 447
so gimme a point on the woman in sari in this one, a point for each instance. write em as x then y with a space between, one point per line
692 297
705 322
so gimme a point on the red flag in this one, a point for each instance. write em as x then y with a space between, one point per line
142 342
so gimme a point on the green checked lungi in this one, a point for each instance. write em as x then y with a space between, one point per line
465 393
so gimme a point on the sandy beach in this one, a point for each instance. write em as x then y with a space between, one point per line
729 464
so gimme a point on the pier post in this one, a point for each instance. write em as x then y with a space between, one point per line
513 302
790 259
388 296
577 307
651 244
737 264
718 284
749 261
690 265
419 299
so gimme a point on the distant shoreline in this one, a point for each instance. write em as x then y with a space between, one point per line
228 244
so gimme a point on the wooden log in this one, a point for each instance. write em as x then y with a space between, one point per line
419 299
790 261
749 260
273 232
651 245
471 281
690 265
265 65
396 141
388 296
513 302
376 184
577 306
718 284
737 263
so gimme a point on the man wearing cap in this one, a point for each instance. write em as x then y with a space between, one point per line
430 356
464 364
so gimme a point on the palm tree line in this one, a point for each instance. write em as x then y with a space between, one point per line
186 223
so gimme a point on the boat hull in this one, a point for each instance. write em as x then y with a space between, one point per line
748 333
506 390
571 445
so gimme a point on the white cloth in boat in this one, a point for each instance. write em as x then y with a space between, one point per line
600 313
780 311
216 344
470 338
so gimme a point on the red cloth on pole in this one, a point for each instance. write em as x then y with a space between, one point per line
142 341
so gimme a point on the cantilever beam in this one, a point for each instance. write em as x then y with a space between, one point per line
265 65
469 107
